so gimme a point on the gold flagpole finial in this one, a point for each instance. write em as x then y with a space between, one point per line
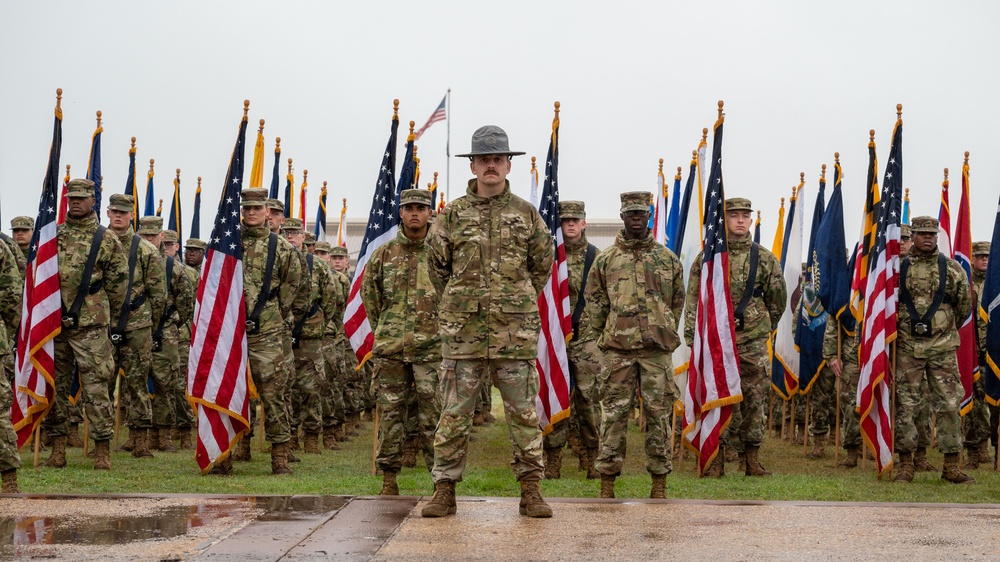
305 173
324 186
178 178
899 111
720 108
436 174
758 216
694 155
822 172
946 174
395 109
795 190
133 145
150 164
277 145
802 177
871 135
966 163
557 105
345 202
289 166
836 158
99 118
782 202
246 108
678 176
411 127
661 166
67 170
58 98
532 162
199 183
261 129
704 134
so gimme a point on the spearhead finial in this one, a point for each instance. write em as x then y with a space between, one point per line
721 103
277 145
99 118
411 127
246 108
899 111
836 157
871 135
966 157
395 109
822 173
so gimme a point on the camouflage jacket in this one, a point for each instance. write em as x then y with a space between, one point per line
335 326
149 279
576 257
401 302
303 292
111 271
847 341
194 277
180 297
324 294
10 300
769 294
635 295
922 281
284 278
978 279
489 259
20 260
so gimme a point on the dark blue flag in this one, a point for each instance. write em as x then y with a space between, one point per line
321 216
811 317
150 196
131 188
685 207
94 166
832 277
196 215
989 312
174 220
674 216
274 171
756 230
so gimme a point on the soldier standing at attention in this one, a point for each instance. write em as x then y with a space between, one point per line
490 257
11 292
340 261
401 305
758 291
18 252
271 276
934 295
334 408
922 418
194 256
635 296
977 421
21 229
93 280
132 329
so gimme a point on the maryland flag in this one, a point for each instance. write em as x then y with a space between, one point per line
867 241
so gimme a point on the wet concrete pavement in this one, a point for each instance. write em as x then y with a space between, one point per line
246 529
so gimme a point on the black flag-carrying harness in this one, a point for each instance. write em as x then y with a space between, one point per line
748 291
168 310
71 317
920 326
117 332
266 294
313 309
580 300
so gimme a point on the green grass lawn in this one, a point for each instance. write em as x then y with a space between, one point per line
349 472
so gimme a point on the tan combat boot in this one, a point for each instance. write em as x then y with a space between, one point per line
293 444
553 464
607 486
102 454
185 435
477 419
340 434
852 458
389 485
152 438
920 463
971 458
731 455
243 450
741 459
9 478
717 468
904 472
330 439
166 443
58 457
279 458
819 441
592 473
658 491
312 443
443 502
73 436
951 473
353 422
139 450
130 442
983 451
409 459
532 503
223 467
754 468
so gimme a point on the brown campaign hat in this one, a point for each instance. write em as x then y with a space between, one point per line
151 225
635 201
489 139
925 224
572 210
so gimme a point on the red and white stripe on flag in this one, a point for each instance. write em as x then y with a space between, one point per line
552 363
968 352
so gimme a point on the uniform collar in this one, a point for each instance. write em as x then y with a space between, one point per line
500 198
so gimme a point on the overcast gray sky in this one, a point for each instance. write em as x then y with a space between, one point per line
637 82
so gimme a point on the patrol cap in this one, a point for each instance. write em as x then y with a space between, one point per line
635 201
169 236
323 246
151 225
275 204
738 204
196 244
572 210
980 248
121 202
80 187
905 231
489 139
253 197
310 239
925 224
22 223
415 196
292 224
339 251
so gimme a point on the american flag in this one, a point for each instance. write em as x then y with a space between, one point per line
968 352
383 220
714 371
552 403
440 114
879 328
41 307
218 384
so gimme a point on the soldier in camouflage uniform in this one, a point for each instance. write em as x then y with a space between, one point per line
635 295
267 366
168 382
977 421
768 295
10 318
21 229
83 343
401 305
352 383
307 346
490 257
334 408
134 335
585 359
926 342
194 256
922 418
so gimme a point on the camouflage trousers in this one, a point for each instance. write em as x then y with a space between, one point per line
332 392
977 421
850 419
585 366
653 375
747 424
461 381
9 459
485 401
396 385
940 373
135 360
183 412
352 381
267 369
307 408
90 350
166 363
922 419
822 404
